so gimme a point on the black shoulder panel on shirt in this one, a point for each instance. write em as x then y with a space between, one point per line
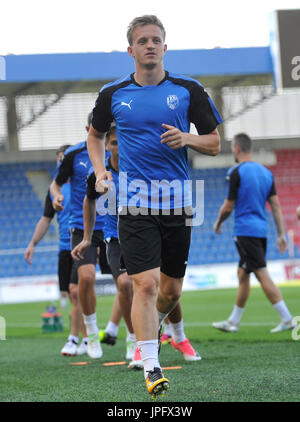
200 110
102 116
66 168
234 183
49 211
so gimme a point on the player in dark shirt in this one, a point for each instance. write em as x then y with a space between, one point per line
250 186
75 166
92 201
67 274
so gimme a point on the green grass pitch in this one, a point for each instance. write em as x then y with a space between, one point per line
249 366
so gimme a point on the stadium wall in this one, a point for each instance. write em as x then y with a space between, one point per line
217 276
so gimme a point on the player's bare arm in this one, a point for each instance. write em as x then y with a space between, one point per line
58 197
277 215
96 150
39 232
206 144
89 218
225 211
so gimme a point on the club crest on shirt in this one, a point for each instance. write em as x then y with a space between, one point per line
172 101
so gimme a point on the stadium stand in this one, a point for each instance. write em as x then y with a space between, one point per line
287 176
208 247
21 208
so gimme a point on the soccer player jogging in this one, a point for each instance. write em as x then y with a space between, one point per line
250 186
67 276
153 110
123 282
75 166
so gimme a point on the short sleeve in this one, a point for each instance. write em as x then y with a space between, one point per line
102 116
65 170
90 187
49 211
234 182
203 113
272 190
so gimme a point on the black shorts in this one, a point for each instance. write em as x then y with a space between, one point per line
151 241
66 270
252 251
113 253
91 254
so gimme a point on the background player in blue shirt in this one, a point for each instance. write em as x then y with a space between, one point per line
153 110
75 166
250 186
123 282
67 275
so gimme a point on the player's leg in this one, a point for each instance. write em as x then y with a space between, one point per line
88 300
140 241
86 270
125 291
256 262
125 295
63 275
175 243
179 340
167 332
232 324
64 271
275 297
176 237
76 313
109 334
145 323
243 289
63 299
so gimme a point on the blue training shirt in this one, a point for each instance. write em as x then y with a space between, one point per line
250 186
147 167
75 166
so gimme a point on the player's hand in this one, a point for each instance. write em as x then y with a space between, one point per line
298 212
217 227
102 184
282 243
79 250
29 254
57 202
173 137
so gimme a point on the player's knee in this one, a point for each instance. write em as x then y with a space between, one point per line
74 294
173 296
146 287
124 283
86 280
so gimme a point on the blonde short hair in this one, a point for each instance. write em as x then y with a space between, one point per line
143 21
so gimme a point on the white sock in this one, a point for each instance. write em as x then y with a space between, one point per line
236 315
112 329
281 308
131 337
149 354
168 329
75 338
90 322
63 302
161 318
178 331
